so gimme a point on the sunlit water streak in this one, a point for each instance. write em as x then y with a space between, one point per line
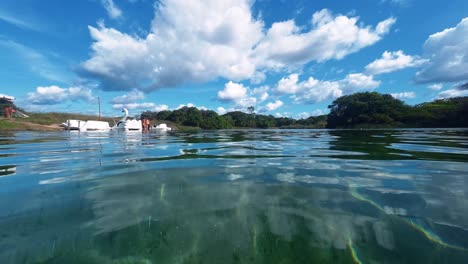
247 196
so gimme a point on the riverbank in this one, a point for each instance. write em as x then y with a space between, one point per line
20 125
46 125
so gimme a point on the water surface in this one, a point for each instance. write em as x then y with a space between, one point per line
247 196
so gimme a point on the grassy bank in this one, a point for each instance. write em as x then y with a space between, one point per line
58 118
52 121
21 125
45 121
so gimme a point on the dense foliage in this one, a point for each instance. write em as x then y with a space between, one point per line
451 112
371 109
207 119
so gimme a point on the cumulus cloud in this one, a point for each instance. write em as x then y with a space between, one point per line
403 95
460 90
132 106
112 10
284 114
221 110
303 115
317 91
316 112
313 90
273 105
159 108
393 61
130 101
447 52
330 37
197 41
238 94
51 95
357 82
436 86
289 85
120 61
192 41
130 97
191 105
232 91
261 93
185 105
452 93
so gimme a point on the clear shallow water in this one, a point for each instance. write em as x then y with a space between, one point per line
259 196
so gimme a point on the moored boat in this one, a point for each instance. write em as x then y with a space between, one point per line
127 124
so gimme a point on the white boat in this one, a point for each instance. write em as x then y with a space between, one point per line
93 125
161 127
83 126
72 124
126 124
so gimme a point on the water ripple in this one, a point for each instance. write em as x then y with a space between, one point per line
240 196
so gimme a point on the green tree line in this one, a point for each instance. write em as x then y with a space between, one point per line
372 109
359 110
208 119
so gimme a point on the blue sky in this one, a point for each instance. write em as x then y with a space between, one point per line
286 58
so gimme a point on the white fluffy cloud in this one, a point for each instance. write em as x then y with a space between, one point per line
238 94
435 86
330 37
452 93
197 41
159 108
51 95
316 112
261 93
313 90
232 91
130 97
303 115
132 106
289 85
357 82
403 95
120 61
190 41
185 105
191 105
317 91
393 61
130 101
447 52
221 110
273 105
112 10
458 90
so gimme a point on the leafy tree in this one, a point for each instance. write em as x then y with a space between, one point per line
370 108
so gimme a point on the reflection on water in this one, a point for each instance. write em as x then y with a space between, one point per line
257 196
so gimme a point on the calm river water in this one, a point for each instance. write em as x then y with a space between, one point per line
247 196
